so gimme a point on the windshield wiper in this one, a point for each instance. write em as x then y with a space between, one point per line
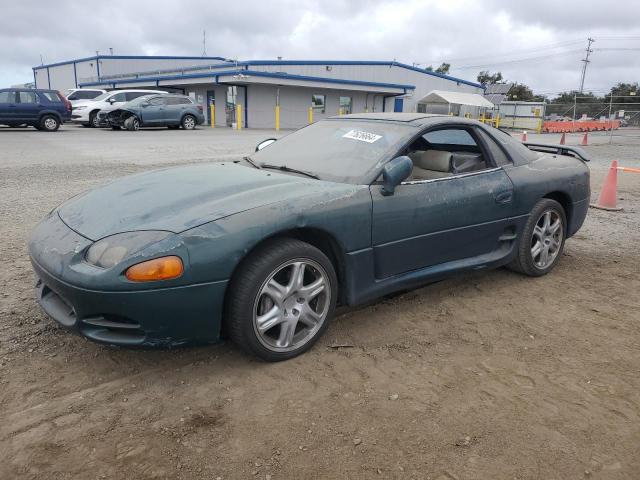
284 168
251 162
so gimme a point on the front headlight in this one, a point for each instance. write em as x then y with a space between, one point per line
81 107
112 250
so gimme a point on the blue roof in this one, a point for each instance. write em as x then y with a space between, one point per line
284 76
271 62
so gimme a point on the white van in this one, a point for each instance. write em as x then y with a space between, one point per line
85 112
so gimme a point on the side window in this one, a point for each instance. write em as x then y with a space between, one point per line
118 97
75 96
51 96
88 95
185 101
7 97
451 136
158 101
496 152
28 97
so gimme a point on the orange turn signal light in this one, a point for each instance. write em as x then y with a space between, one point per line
163 268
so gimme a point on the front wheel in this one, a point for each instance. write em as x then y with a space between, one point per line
189 122
281 299
49 123
542 241
132 124
93 120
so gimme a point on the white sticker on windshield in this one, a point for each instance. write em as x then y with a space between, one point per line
362 136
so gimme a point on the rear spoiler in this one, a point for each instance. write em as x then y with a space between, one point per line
577 152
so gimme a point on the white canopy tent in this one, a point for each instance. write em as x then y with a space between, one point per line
441 98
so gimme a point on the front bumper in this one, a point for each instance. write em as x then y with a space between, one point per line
164 317
113 312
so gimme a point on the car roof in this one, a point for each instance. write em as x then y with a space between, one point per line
415 119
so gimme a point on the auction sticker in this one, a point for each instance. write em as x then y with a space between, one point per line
362 136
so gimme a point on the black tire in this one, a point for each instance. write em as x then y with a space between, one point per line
132 124
244 293
189 122
93 119
525 262
49 123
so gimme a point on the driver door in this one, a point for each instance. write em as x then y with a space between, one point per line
155 113
451 217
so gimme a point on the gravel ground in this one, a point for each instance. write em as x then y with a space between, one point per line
483 376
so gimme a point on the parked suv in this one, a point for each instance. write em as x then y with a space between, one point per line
85 112
43 109
75 95
173 111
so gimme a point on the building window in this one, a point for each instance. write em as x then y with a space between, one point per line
318 103
345 105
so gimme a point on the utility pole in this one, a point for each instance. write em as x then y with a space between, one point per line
204 43
585 61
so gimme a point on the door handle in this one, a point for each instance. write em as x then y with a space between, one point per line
504 197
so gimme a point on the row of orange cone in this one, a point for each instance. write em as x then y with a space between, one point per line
585 139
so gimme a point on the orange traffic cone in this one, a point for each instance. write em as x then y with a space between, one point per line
524 136
609 194
584 139
562 139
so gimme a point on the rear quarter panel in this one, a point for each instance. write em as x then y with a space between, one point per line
551 175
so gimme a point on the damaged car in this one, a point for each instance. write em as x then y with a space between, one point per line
341 212
164 110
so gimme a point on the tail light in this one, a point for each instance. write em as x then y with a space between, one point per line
66 102
200 108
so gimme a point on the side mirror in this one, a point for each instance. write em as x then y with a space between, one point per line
145 104
265 143
112 100
394 173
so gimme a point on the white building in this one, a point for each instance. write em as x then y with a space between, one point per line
303 90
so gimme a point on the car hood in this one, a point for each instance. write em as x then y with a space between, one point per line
180 198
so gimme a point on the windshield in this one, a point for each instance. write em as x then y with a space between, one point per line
346 151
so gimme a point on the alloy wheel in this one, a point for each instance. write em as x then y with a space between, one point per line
292 305
546 239
50 123
189 123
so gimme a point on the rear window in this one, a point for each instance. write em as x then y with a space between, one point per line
134 95
513 146
51 96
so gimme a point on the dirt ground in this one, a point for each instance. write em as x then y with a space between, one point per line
484 376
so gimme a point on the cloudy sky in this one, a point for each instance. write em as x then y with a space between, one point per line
539 43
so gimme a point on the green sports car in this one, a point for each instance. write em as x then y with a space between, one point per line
339 212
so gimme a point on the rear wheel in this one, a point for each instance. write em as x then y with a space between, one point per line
189 122
542 241
281 299
49 123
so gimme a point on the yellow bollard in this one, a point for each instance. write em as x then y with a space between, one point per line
539 129
498 120
239 117
212 115
310 114
277 117
481 119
